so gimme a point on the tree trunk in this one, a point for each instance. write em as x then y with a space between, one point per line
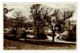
15 32
38 36
53 33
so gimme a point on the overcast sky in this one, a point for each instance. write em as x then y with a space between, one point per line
25 8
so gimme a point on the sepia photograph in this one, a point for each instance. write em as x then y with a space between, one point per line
39 26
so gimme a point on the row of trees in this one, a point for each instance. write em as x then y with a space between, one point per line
15 23
41 15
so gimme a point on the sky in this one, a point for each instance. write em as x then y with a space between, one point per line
25 8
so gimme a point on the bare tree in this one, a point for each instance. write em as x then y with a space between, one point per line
5 11
19 20
36 15
67 14
47 18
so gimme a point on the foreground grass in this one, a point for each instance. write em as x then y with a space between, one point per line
15 45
